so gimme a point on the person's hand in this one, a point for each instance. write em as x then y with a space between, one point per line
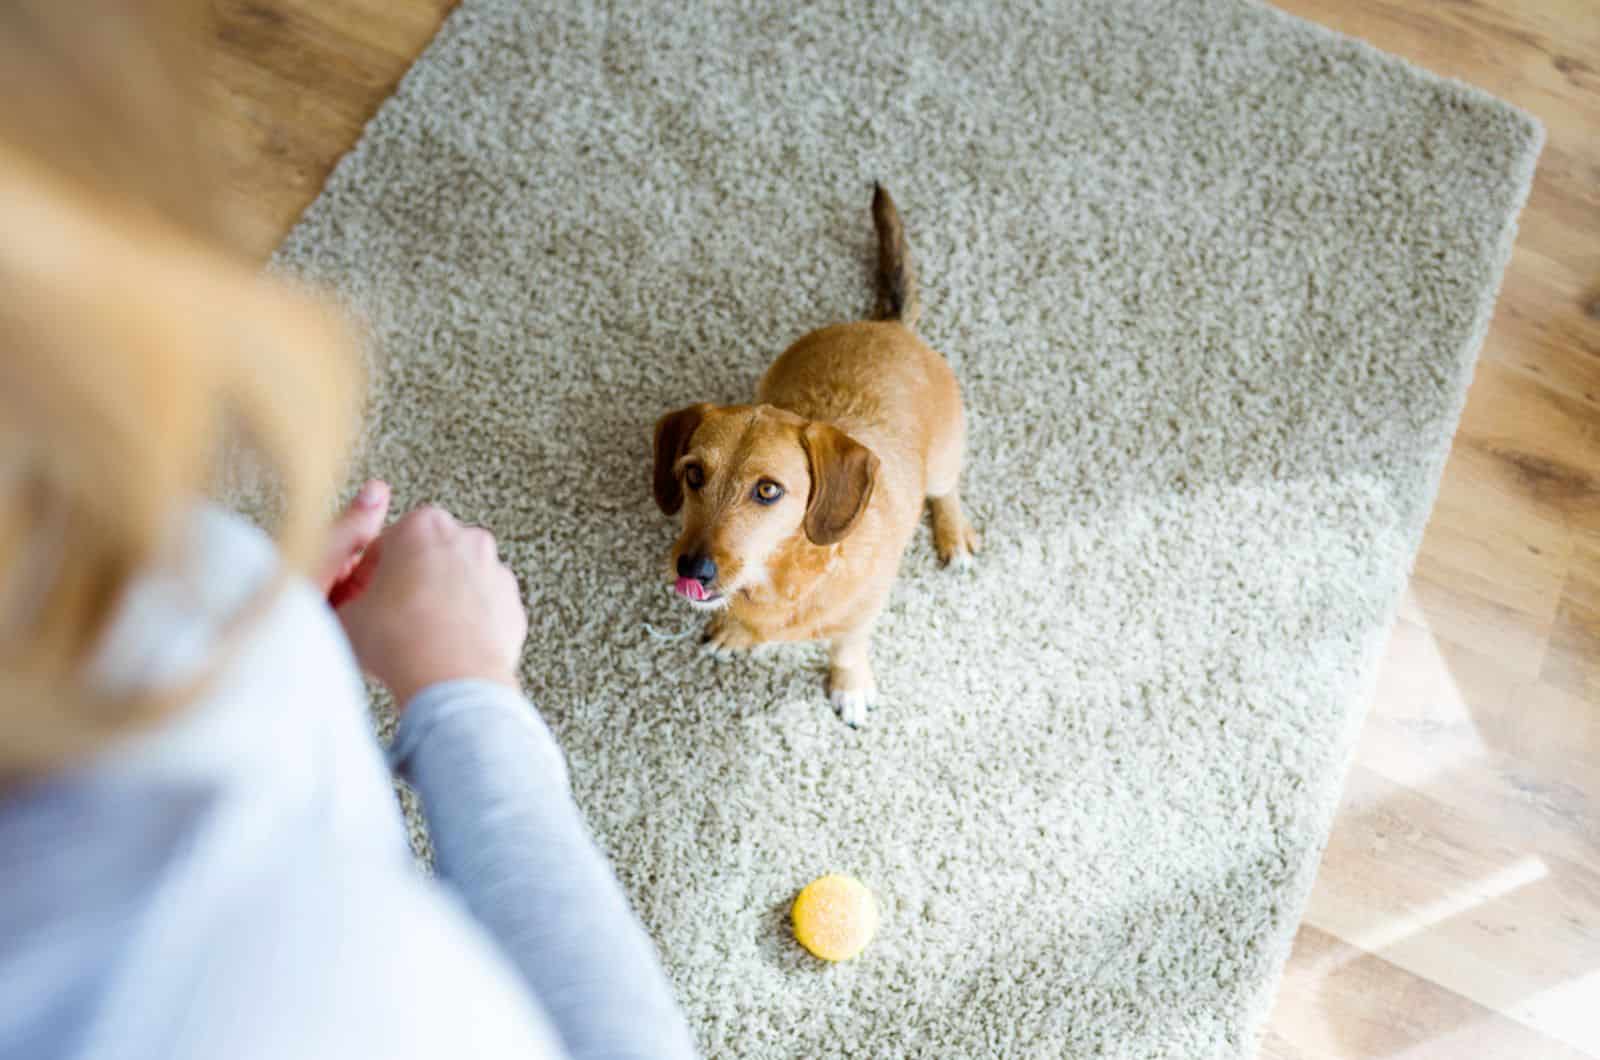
430 601
356 528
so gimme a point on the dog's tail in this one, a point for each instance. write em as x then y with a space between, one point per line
897 281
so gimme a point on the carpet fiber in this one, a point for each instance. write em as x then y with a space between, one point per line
1214 281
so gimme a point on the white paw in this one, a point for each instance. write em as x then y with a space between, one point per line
961 560
852 705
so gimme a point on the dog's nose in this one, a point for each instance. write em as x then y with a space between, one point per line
701 568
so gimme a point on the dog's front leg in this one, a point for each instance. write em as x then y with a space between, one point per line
725 633
851 688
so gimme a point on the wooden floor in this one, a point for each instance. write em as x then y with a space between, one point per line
1457 914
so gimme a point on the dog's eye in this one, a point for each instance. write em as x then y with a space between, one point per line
768 492
694 476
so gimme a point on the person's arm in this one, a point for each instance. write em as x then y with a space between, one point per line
508 837
432 613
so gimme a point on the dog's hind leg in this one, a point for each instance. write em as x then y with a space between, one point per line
953 536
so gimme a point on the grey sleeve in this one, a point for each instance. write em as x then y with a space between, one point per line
508 838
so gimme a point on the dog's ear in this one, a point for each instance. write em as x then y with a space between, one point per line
843 472
673 432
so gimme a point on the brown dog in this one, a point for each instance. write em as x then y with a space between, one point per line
796 510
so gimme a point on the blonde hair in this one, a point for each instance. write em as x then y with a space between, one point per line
132 339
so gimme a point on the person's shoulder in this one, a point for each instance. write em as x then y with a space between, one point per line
339 960
286 669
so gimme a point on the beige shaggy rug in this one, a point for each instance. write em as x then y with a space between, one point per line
1213 279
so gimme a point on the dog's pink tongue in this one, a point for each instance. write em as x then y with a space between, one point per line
691 588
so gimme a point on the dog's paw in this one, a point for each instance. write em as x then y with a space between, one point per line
727 634
956 548
852 704
959 560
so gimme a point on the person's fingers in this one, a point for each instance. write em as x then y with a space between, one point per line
345 591
356 528
434 519
428 522
483 541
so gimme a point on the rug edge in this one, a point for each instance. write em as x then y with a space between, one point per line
1521 174
1532 126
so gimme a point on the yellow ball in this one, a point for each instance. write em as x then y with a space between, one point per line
835 917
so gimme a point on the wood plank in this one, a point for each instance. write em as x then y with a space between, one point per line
1492 917
1572 660
1494 535
294 82
1518 756
1455 614
1337 1001
1545 328
1546 444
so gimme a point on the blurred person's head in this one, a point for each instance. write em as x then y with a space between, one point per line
131 339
